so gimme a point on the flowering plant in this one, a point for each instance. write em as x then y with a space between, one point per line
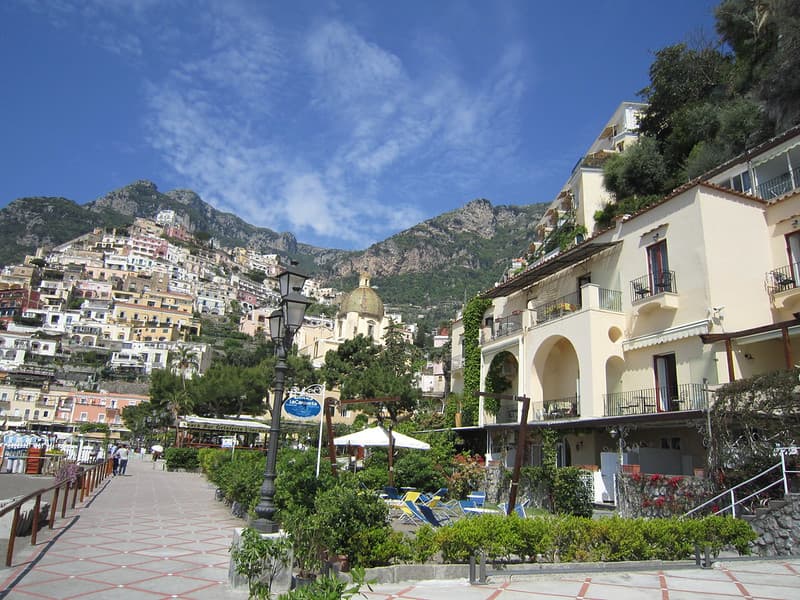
68 471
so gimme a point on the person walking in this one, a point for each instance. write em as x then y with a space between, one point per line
124 454
114 458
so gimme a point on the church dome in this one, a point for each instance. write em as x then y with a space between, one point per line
362 300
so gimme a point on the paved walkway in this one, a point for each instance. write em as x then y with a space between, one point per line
147 535
751 580
154 534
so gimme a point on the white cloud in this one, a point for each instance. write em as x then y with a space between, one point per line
319 130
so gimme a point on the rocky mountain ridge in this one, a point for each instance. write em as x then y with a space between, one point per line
443 258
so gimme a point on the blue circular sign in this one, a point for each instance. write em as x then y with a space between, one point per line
302 406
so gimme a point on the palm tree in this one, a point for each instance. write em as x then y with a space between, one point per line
184 359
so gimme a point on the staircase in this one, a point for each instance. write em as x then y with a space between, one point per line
777 521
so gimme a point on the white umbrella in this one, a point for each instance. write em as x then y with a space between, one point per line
378 436
157 448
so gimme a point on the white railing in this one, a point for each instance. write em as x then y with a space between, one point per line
729 496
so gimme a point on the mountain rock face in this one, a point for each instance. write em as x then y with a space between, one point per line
444 258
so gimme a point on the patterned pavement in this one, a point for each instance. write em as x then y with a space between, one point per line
751 580
157 535
149 534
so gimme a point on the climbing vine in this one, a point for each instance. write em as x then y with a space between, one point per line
473 318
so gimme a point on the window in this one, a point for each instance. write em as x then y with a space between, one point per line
741 182
101 418
84 416
666 382
36 415
45 414
27 413
658 268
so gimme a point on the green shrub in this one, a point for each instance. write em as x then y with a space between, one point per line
240 478
571 496
496 536
536 538
379 547
297 484
181 458
424 545
344 511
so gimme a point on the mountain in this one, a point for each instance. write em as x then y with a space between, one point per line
439 261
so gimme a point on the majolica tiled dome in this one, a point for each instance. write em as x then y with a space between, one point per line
362 300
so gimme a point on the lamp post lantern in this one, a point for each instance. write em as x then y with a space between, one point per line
283 325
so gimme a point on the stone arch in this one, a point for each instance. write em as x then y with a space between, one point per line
504 366
557 370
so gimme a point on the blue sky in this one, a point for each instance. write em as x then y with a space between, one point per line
342 122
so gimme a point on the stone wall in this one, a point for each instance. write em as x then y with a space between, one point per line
654 495
778 527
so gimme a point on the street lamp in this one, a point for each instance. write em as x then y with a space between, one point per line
283 325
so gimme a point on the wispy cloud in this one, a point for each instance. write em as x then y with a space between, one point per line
313 127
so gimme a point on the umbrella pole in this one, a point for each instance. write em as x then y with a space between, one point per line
391 457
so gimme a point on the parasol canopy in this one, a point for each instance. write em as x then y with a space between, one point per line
157 448
378 436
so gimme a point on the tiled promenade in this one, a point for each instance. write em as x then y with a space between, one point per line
154 534
148 535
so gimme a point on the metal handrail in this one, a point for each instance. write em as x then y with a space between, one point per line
732 491
88 479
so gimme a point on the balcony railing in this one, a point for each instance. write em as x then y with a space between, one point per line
507 325
685 396
779 185
610 299
557 308
561 408
782 278
653 284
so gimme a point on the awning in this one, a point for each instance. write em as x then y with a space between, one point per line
222 425
538 272
668 335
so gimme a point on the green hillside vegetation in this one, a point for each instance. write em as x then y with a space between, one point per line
710 102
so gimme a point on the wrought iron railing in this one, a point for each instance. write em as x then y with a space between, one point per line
786 182
652 284
507 325
684 396
782 278
557 308
561 408
610 299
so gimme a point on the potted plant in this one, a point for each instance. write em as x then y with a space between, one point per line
260 558
304 534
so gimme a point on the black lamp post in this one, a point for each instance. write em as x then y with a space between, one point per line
283 324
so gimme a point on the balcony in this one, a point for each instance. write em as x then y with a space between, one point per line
654 290
561 408
502 327
782 285
777 186
555 309
682 397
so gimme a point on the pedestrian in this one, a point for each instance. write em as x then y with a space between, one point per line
124 454
114 458
141 452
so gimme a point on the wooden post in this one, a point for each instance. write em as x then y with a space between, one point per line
787 348
329 429
35 525
729 353
54 507
12 536
522 442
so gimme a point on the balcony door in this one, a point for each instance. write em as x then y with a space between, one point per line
793 250
658 267
666 381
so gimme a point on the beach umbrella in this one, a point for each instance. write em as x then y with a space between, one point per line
378 436
157 448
